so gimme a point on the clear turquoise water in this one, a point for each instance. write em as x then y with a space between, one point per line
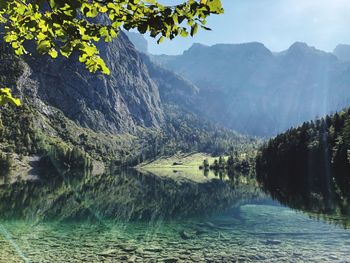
103 219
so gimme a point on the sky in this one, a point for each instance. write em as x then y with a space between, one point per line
275 23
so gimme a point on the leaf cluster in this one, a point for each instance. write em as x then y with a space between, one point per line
6 97
60 27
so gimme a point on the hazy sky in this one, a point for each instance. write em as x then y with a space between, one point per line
276 23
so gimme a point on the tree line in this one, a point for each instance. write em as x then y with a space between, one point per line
235 163
309 166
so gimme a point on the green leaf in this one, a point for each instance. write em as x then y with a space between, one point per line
6 97
160 40
68 25
194 29
44 46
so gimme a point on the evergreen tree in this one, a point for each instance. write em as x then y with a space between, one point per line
310 160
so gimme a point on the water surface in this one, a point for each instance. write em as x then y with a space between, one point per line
133 217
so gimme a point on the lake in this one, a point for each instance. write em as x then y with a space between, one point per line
129 216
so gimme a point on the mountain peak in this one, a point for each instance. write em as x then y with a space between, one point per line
230 46
229 49
138 41
300 46
342 52
196 46
302 49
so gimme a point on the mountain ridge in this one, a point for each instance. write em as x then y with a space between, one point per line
248 88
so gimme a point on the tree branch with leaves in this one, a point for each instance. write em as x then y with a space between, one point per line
61 27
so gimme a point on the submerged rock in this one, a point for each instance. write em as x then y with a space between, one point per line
108 253
153 249
128 248
185 235
131 259
170 260
201 231
273 242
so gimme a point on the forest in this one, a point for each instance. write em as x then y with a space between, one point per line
310 164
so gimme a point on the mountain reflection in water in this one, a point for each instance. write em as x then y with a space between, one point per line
318 195
128 216
121 195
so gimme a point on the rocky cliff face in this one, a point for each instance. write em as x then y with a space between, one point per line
114 104
173 88
138 41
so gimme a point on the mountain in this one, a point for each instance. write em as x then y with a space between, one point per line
73 118
117 103
138 40
173 88
66 109
248 88
342 52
